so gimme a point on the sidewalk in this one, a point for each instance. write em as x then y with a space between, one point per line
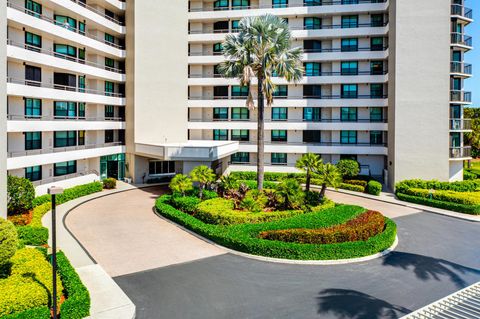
108 301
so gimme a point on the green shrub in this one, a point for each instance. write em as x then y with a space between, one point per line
77 305
269 176
469 175
38 213
8 241
187 204
258 198
253 184
463 186
181 184
249 204
109 183
40 200
348 168
20 194
354 188
71 194
447 196
356 182
291 194
34 313
374 188
326 204
461 208
363 227
33 236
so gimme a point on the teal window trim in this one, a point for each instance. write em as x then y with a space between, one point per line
240 113
33 41
64 139
349 91
279 3
34 8
109 88
350 21
109 38
279 158
220 135
220 113
376 90
376 137
281 91
64 50
240 157
312 114
348 137
279 135
65 168
33 107
33 140
349 114
312 23
349 68
349 45
376 114
279 113
109 111
33 173
313 68
240 135
64 109
239 91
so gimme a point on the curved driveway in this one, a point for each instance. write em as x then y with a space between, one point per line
436 256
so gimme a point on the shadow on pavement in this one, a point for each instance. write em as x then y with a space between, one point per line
426 268
351 304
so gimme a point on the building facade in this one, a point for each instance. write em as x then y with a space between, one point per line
110 88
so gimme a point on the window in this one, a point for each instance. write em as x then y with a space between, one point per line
279 158
279 135
349 45
220 113
220 5
312 136
281 91
62 109
376 90
377 20
81 109
109 38
312 91
455 139
81 55
109 63
220 135
235 25
376 44
348 137
65 168
109 136
33 173
313 69
240 157
34 8
376 114
33 75
239 91
81 83
33 107
350 68
376 137
312 45
348 114
351 1
65 81
81 28
33 141
81 137
217 48
312 23
109 111
109 88
376 68
65 138
33 41
240 135
350 21
349 91
280 3
220 27
65 51
66 22
240 4
161 167
311 3
240 113
279 113
312 114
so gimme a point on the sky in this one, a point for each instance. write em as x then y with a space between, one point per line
473 57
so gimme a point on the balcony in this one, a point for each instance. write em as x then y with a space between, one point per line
460 124
462 40
55 179
113 19
462 12
461 68
457 96
302 97
460 153
61 149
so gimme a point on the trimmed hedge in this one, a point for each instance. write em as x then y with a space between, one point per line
356 182
461 208
38 213
109 183
363 227
447 196
70 194
20 194
32 236
463 186
244 237
186 204
374 188
350 187
8 241
469 175
77 304
36 313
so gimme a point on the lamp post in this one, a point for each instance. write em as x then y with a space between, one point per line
54 191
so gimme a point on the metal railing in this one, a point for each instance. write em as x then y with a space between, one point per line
316 144
461 39
460 10
282 6
68 27
295 121
350 73
63 56
302 97
51 150
22 117
95 10
64 177
460 152
62 87
461 67
460 96
460 124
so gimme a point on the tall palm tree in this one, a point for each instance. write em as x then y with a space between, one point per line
309 163
262 49
204 175
330 177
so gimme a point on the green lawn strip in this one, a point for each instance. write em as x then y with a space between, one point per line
243 237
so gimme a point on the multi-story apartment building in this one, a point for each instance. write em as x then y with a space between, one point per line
100 88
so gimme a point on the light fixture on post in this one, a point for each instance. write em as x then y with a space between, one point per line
54 191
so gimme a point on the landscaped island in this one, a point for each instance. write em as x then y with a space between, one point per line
280 221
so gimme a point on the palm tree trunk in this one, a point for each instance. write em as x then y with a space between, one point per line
322 192
260 135
307 181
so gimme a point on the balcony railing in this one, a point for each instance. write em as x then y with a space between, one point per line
61 149
21 117
287 121
63 56
349 73
281 6
459 10
462 39
318 144
460 124
460 152
302 97
64 177
68 27
461 68
83 4
460 96
62 87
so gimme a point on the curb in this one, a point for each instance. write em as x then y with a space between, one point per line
281 260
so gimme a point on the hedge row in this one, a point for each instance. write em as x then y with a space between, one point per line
70 194
447 196
244 237
463 186
36 313
32 236
363 227
461 208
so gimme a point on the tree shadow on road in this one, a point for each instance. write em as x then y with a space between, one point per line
351 304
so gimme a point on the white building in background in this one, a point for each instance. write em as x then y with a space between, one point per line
98 88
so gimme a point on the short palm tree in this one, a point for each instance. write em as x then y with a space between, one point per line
181 184
261 49
329 176
309 163
204 176
290 193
